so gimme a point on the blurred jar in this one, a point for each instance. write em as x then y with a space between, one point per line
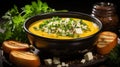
106 13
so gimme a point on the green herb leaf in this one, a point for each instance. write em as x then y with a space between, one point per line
16 17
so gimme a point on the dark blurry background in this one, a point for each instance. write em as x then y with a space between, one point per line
84 6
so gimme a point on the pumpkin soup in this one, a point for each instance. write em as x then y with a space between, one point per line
63 28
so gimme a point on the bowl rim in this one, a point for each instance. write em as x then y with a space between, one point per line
69 12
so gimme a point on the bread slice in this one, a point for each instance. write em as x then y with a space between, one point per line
24 59
10 45
106 42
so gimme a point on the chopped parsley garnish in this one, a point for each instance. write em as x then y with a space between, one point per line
63 26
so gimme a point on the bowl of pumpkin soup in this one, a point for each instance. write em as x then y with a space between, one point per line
60 33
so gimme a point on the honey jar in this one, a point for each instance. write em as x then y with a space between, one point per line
106 13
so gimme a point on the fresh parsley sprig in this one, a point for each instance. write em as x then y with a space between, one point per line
14 19
114 56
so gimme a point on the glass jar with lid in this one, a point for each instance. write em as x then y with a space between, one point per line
106 13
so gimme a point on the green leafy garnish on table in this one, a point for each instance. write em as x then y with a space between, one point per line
114 57
14 19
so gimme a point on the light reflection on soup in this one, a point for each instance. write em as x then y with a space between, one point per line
63 28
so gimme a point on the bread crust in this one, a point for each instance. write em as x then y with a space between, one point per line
106 42
10 45
24 59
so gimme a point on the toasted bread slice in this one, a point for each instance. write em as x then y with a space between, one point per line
14 45
106 42
24 59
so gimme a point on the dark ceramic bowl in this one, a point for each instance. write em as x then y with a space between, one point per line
58 46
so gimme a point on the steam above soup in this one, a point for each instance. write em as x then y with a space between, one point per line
63 28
